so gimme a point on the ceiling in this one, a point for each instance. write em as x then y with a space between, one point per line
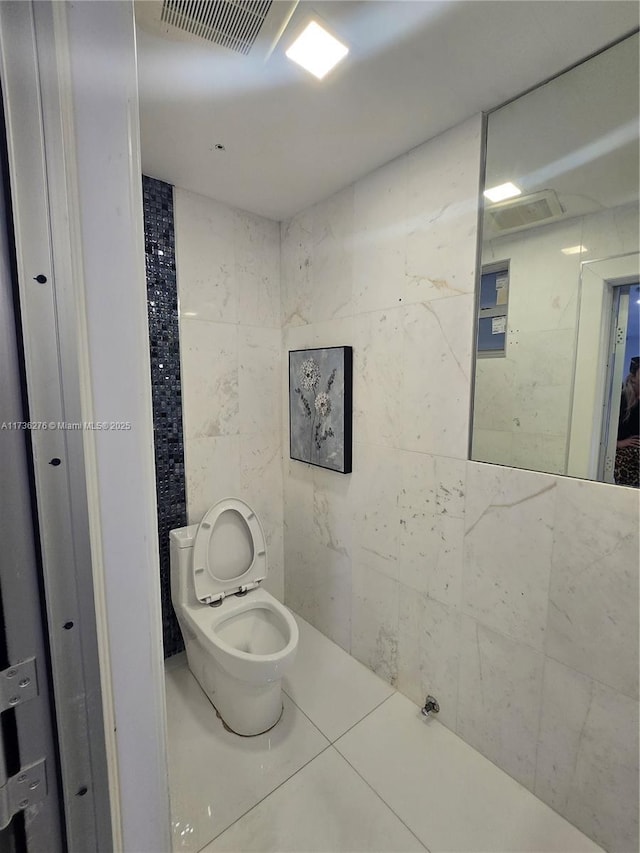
415 69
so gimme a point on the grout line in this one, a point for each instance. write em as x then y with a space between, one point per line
324 734
606 687
333 746
381 798
536 751
251 808
304 714
386 699
467 613
220 322
329 745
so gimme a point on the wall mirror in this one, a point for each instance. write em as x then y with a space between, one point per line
558 295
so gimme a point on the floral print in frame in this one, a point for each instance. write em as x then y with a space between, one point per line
320 383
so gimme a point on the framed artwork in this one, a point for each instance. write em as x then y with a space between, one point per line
320 401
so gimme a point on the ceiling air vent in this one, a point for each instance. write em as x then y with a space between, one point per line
243 26
524 211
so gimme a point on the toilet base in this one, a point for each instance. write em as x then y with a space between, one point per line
229 729
245 709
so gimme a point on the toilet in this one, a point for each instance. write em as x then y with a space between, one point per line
240 640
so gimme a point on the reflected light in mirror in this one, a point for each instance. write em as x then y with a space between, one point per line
502 192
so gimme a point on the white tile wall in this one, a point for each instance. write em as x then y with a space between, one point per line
509 514
510 595
209 356
587 756
593 595
441 214
228 273
437 340
499 694
474 582
429 652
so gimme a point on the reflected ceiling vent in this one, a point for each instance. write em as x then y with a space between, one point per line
525 211
243 26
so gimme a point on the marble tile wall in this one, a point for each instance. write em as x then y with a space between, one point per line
510 595
228 271
522 402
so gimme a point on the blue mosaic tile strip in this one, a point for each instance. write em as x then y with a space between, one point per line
164 340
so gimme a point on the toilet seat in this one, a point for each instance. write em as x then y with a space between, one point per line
220 542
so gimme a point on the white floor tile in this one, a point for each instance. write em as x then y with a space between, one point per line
448 794
333 689
216 776
327 808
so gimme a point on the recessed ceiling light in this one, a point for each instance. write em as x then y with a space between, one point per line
574 250
316 50
502 192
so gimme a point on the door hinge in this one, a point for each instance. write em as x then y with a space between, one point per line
18 684
25 789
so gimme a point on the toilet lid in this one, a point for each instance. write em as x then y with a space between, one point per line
229 551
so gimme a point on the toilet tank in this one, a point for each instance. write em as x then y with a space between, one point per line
180 555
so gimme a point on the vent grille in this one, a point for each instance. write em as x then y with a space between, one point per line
525 211
234 24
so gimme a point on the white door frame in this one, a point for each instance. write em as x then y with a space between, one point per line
588 398
615 373
70 83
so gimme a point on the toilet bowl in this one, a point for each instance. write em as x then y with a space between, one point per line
239 639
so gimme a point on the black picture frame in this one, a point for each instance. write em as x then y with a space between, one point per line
321 407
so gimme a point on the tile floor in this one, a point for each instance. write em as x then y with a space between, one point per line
351 766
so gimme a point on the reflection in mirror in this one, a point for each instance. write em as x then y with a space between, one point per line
556 384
